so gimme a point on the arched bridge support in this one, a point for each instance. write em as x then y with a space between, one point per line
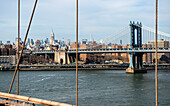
61 57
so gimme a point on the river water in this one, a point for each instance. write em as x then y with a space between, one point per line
96 88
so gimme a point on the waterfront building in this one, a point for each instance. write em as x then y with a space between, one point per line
161 43
90 57
84 56
125 56
8 46
73 46
2 46
11 59
147 57
3 52
116 46
33 58
7 50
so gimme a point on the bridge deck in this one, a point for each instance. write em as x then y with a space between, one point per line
4 102
24 99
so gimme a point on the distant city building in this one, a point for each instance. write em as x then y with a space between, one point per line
37 43
120 41
32 42
28 41
16 39
41 42
102 41
63 44
46 41
84 41
29 47
57 42
8 42
91 38
20 44
0 41
67 42
52 38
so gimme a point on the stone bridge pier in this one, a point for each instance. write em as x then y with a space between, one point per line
61 57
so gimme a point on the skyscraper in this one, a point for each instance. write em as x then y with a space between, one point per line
32 42
46 41
28 41
41 42
8 42
52 38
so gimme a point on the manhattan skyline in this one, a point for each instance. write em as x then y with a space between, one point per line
101 18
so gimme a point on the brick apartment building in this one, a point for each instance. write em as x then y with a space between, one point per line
7 54
161 43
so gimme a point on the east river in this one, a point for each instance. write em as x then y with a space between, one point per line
96 88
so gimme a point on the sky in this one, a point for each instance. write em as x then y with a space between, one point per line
101 18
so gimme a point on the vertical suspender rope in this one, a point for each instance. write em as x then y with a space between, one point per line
18 46
18 61
76 52
156 61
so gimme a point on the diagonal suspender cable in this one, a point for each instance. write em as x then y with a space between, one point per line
18 46
18 61
156 61
76 52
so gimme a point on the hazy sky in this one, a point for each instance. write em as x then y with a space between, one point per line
99 17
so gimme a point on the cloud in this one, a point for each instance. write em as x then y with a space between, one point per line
99 17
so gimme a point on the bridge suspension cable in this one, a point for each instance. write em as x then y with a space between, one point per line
153 31
18 61
117 33
122 29
149 35
124 34
77 52
18 46
156 56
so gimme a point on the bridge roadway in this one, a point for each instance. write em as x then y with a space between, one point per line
121 50
103 50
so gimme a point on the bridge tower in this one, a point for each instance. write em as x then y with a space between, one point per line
136 62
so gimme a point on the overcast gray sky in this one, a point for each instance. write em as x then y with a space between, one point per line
99 17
